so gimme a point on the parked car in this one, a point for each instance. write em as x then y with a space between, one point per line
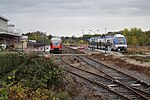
2 46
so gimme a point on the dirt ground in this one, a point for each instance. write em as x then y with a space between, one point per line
138 49
79 90
122 63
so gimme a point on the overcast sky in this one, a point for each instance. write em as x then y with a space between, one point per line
69 17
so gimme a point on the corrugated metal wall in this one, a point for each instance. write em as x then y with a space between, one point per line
3 25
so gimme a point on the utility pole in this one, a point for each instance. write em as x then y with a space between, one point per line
22 46
105 39
44 41
82 32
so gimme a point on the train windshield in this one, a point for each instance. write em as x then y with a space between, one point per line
55 42
121 40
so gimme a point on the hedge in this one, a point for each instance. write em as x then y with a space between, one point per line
9 61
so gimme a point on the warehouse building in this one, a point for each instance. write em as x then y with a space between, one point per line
8 36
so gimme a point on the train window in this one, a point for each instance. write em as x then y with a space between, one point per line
56 42
121 40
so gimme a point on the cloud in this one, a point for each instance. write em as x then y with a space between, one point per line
77 7
72 15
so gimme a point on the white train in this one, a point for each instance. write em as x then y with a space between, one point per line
116 42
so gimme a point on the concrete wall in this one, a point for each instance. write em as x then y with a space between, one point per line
3 25
19 45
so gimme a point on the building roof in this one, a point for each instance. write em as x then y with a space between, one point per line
10 34
3 18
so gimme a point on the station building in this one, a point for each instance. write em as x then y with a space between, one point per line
8 36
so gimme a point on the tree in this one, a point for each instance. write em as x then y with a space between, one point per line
49 36
147 37
135 36
86 37
38 36
127 35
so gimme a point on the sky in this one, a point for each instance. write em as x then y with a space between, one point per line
76 17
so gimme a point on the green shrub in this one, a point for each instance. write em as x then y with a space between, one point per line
8 62
39 72
62 95
30 77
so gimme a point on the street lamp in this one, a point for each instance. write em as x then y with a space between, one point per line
94 31
43 33
44 40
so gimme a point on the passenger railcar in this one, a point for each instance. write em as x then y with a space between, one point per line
116 42
56 44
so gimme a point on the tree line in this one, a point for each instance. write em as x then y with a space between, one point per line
135 36
40 37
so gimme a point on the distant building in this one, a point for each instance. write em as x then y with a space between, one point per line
8 36
11 28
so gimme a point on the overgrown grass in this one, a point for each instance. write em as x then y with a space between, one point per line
142 59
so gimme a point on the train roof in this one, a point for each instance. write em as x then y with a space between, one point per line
104 37
118 35
56 38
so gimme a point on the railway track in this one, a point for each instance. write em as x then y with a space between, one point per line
141 89
117 75
119 90
103 88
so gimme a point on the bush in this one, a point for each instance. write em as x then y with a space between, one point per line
20 92
8 62
39 72
35 78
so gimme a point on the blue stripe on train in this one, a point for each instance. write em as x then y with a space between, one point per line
125 42
115 40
